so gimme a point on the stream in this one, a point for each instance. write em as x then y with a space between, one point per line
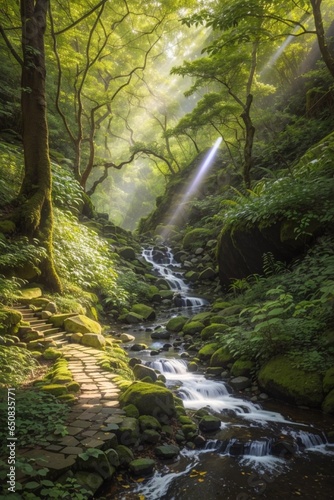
271 450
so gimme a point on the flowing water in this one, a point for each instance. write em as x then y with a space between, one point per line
271 451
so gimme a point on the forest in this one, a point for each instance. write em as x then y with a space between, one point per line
166 249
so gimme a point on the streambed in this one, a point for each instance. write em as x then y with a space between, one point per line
271 450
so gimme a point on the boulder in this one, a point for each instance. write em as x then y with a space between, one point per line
142 371
328 382
167 451
192 327
149 422
328 403
209 423
221 357
125 454
207 351
57 320
9 320
207 274
283 380
240 383
82 324
242 368
145 311
127 253
150 399
93 340
91 482
163 335
176 324
142 466
209 331
128 432
126 337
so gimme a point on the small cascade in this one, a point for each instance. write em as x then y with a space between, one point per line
166 267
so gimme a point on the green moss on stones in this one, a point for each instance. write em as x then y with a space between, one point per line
150 399
221 357
192 327
209 331
328 404
242 368
93 340
196 238
82 324
281 379
144 311
175 325
328 382
55 389
207 351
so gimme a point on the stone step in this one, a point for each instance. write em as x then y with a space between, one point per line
36 321
55 335
42 328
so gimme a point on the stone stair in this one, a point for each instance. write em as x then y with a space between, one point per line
41 325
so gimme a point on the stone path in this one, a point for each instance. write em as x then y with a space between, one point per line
92 417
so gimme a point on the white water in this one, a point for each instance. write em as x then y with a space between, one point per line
165 267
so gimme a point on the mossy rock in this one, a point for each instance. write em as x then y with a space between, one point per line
328 403
167 451
82 324
142 466
192 367
192 276
192 327
9 320
209 423
176 324
196 238
57 320
76 337
217 319
141 372
150 399
207 351
93 340
54 389
149 422
147 312
127 253
31 293
67 398
242 367
125 454
209 331
280 378
203 317
131 411
52 353
131 317
189 430
328 381
31 335
128 432
99 464
220 305
221 357
73 387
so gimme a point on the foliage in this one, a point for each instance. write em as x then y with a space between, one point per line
39 416
11 170
16 254
9 288
116 360
297 308
16 364
85 259
66 191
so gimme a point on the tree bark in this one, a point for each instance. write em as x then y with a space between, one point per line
35 215
323 46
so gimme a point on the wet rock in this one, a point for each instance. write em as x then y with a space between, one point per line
199 441
125 455
93 340
209 423
138 347
147 312
134 361
283 449
126 337
163 335
150 436
166 452
142 466
142 371
240 383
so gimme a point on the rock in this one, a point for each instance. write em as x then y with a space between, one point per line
192 367
240 383
54 389
127 253
142 371
149 422
147 312
192 327
98 464
162 335
328 403
131 411
150 399
195 238
124 453
209 423
242 367
134 361
76 338
281 379
283 449
9 320
191 276
126 337
52 353
51 307
207 351
132 318
176 324
221 357
199 251
128 432
138 347
91 482
150 436
57 320
82 324
209 331
328 381
31 293
46 314
166 452
142 466
199 441
207 274
93 340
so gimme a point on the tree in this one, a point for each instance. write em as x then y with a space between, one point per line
34 216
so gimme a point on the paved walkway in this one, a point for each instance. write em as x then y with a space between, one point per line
91 419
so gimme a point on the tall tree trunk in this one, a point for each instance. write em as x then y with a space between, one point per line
35 217
322 41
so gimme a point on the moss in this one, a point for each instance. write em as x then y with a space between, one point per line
207 351
203 317
242 367
192 327
219 305
9 319
7 227
55 389
281 379
196 238
150 399
328 404
94 340
131 411
221 357
51 353
149 422
209 331
73 387
82 324
145 311
175 325
328 382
